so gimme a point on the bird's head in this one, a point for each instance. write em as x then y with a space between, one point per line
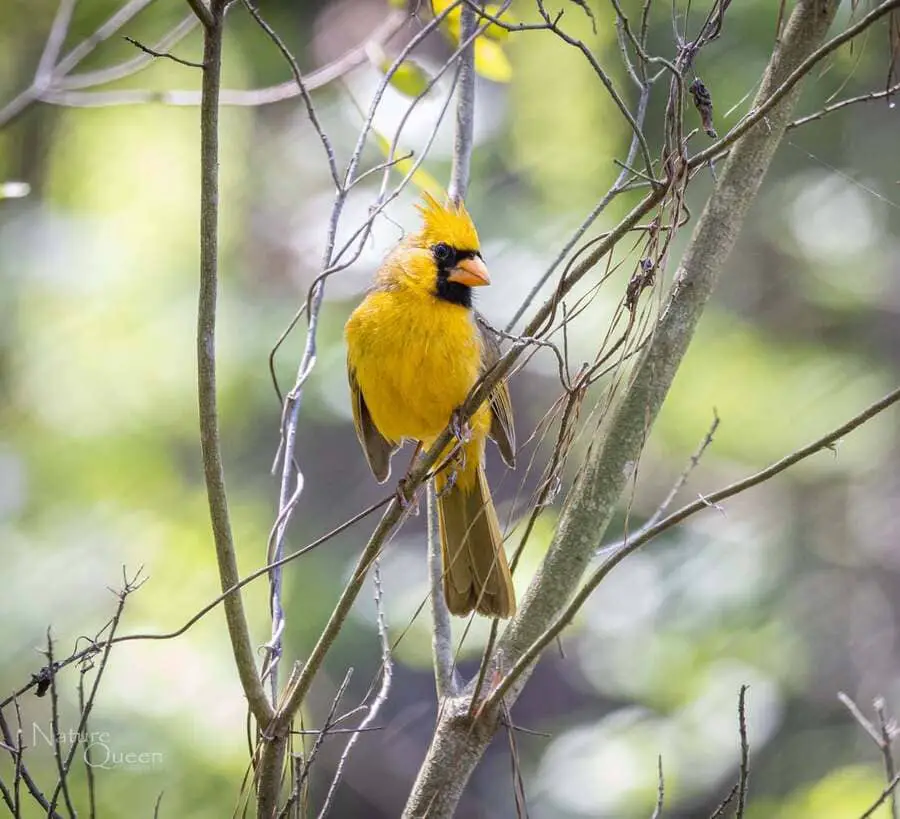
446 257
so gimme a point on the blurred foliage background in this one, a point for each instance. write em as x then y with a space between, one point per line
792 588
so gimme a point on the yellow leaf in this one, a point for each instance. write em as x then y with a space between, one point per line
493 31
397 4
409 78
491 61
423 180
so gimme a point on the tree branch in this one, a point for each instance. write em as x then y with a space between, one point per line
459 742
206 366
465 110
445 677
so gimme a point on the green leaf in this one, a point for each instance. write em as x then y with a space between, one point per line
409 78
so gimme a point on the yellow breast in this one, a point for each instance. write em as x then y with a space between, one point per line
416 358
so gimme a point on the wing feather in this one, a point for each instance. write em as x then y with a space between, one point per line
376 447
502 428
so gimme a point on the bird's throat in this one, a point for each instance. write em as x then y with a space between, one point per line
454 292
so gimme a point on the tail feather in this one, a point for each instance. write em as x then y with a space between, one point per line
476 574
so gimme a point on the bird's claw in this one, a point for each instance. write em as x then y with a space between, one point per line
460 427
407 504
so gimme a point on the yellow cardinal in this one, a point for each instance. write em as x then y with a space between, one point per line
415 349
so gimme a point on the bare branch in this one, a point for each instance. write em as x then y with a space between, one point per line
206 361
445 677
128 587
630 546
837 106
203 12
301 85
763 105
164 54
22 774
55 40
660 790
465 109
615 190
744 777
883 736
387 673
127 68
888 730
888 791
858 715
61 767
723 805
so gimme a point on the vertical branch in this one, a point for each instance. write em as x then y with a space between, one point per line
888 729
61 767
445 678
465 109
744 777
213 19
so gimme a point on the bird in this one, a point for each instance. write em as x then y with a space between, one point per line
415 349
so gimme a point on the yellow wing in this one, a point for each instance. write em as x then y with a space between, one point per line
376 447
502 428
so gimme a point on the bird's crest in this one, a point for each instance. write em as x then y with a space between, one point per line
448 223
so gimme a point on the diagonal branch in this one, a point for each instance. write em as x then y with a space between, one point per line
459 742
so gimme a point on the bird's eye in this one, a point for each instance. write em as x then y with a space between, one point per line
443 253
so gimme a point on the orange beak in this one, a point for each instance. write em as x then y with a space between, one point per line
470 272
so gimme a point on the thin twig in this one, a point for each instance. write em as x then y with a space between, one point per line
387 673
127 68
872 95
858 715
88 750
676 488
128 587
22 774
301 86
723 805
761 110
660 790
744 779
62 772
164 54
888 791
569 612
617 188
320 738
883 736
278 616
888 729
516 765
98 645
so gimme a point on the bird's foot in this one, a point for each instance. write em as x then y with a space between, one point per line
408 503
460 427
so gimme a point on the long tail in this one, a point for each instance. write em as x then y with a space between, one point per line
476 574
